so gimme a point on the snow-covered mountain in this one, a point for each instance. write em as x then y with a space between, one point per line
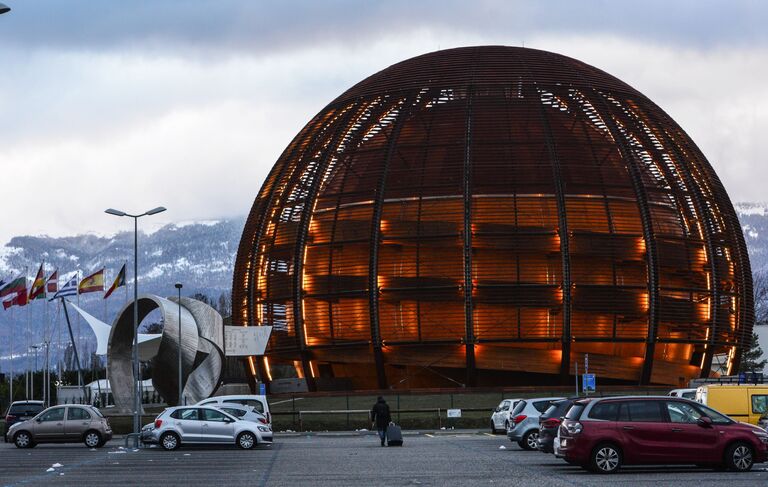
754 224
198 254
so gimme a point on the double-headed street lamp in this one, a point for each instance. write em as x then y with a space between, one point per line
4 8
137 378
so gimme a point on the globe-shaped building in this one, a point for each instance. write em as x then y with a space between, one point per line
487 216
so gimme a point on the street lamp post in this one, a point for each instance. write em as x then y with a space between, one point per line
136 377
178 286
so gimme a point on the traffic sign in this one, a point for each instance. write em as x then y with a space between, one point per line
588 383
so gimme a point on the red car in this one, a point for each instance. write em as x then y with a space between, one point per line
604 434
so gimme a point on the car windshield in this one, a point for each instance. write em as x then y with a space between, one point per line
518 408
575 411
550 412
25 409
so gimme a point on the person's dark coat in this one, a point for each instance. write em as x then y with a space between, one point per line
380 414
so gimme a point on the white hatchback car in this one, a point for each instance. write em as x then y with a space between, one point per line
500 419
182 425
259 403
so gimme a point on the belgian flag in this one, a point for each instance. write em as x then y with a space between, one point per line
119 281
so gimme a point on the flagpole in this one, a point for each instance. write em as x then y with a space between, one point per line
12 324
28 365
79 335
45 341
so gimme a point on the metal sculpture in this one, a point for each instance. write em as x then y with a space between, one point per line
490 215
202 343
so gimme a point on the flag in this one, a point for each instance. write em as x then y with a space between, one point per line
52 283
37 291
16 286
92 283
119 281
19 299
68 289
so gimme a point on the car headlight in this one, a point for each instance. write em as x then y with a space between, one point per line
264 429
762 435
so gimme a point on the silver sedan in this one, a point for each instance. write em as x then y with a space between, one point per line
177 426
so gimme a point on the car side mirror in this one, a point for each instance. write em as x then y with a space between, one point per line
38 420
704 421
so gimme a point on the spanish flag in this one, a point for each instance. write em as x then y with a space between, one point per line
92 283
119 282
37 291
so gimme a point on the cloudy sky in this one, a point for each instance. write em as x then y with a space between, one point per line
188 103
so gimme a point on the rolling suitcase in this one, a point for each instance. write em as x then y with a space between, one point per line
394 435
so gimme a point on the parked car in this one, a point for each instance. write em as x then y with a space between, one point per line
500 419
258 402
604 434
20 411
246 413
63 424
524 428
742 402
689 393
184 425
549 423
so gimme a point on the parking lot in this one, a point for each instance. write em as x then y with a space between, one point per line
440 458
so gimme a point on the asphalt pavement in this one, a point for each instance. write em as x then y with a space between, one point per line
333 459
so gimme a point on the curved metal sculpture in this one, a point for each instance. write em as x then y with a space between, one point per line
480 214
201 350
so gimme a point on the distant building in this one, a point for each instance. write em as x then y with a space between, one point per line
488 216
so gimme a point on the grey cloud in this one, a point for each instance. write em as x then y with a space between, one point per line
226 25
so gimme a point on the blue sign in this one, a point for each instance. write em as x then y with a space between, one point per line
588 382
262 389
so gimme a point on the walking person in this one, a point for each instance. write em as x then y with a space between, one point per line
381 417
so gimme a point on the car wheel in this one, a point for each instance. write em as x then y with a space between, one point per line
606 458
530 440
246 440
22 439
493 428
169 441
506 425
739 457
92 439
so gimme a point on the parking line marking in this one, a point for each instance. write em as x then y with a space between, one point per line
489 434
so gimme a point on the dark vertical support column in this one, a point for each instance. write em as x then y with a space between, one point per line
562 224
469 325
633 167
261 215
301 242
373 257
703 215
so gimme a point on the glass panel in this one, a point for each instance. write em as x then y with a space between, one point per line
53 415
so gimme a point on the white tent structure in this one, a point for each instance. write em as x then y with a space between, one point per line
148 342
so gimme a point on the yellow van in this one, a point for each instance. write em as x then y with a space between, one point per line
742 402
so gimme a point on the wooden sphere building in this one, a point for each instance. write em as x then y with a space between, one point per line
487 216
